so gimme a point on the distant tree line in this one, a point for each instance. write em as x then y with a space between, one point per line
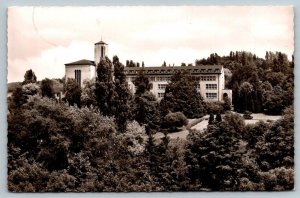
258 85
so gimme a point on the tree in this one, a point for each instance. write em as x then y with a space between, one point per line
105 91
88 97
142 83
174 120
246 91
211 119
29 77
274 101
226 104
145 109
214 159
218 118
72 92
181 96
122 95
47 88
144 104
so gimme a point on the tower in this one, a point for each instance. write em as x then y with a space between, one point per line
100 51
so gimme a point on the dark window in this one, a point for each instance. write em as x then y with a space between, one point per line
102 51
78 77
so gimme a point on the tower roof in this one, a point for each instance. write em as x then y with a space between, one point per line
81 62
100 42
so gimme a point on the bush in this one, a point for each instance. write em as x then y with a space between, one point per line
134 139
174 120
214 107
247 115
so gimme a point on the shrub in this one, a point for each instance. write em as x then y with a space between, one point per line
174 120
214 107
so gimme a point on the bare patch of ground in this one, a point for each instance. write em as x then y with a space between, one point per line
263 117
182 134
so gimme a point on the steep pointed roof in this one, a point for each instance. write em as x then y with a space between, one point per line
81 62
100 42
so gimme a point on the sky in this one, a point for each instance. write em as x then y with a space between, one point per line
45 38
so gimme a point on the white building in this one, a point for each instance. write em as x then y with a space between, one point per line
211 77
82 70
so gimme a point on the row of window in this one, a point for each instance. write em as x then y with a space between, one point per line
162 86
208 95
208 78
208 86
161 95
211 86
168 78
211 95
163 79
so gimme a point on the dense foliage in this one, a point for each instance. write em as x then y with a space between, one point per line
144 106
102 138
181 96
258 85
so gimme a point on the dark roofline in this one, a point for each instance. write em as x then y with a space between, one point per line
200 69
81 62
175 67
100 42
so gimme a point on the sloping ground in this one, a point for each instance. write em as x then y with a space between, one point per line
203 122
263 117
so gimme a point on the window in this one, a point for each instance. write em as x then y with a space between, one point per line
211 86
161 95
78 77
208 78
211 95
198 86
163 79
152 79
162 86
102 51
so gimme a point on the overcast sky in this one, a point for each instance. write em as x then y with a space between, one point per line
45 38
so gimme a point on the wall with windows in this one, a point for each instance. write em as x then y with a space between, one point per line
80 72
211 86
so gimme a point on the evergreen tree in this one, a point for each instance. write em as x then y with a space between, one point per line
211 119
218 118
29 77
142 83
145 106
47 88
122 95
226 104
104 90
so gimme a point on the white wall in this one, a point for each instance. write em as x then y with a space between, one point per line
87 72
97 52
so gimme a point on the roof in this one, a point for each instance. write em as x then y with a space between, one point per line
100 42
81 62
200 69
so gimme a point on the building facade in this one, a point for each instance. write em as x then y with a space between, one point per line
84 69
211 79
